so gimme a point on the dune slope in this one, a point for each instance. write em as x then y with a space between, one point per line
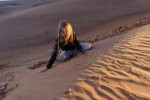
121 73
37 26
27 34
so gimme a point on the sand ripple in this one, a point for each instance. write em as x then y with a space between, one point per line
123 73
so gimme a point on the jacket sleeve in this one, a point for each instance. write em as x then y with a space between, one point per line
77 43
53 55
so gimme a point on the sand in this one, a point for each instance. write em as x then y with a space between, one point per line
27 32
122 73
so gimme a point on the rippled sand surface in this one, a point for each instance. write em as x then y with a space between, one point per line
122 73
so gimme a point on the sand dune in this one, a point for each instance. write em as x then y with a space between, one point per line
28 29
38 25
117 74
35 83
122 73
8 7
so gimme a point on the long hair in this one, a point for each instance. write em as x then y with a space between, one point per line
64 24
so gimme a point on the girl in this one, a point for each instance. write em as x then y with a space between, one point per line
68 42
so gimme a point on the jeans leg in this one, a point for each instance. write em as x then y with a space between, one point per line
85 46
66 55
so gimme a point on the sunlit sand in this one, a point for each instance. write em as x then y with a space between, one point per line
117 67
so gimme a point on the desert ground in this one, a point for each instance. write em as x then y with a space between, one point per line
117 67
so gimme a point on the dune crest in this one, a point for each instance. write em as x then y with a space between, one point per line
122 73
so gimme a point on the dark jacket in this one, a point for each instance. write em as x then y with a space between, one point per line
72 44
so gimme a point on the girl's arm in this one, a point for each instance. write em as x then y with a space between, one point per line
53 56
77 42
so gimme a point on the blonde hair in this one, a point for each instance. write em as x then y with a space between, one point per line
64 24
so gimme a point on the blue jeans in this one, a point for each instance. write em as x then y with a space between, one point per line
65 55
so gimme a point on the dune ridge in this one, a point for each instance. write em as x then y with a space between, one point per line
122 73
120 29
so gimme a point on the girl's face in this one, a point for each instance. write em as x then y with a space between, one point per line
64 34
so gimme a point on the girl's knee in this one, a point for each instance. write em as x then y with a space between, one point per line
89 46
86 46
62 58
